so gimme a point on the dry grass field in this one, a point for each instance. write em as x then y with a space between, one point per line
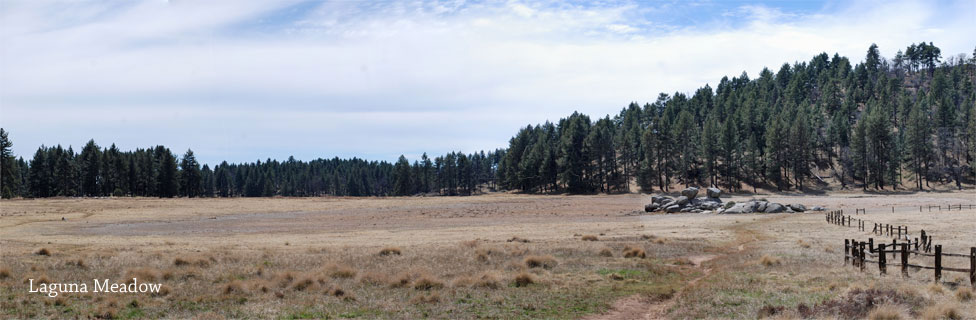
491 256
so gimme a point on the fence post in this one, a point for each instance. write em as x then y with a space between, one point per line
916 247
938 262
972 266
904 259
847 250
881 259
894 246
899 232
861 251
871 245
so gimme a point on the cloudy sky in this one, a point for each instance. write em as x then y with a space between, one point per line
248 80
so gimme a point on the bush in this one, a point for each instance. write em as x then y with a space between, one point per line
590 237
634 253
606 252
768 260
43 252
427 282
524 279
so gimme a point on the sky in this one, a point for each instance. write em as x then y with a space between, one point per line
248 80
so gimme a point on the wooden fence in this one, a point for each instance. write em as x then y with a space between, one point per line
922 245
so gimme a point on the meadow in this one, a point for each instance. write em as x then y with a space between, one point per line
491 256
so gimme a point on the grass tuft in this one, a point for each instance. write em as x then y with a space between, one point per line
518 239
43 252
4 273
390 251
524 279
233 287
964 294
338 271
545 262
941 312
427 282
422 298
630 252
606 252
590 237
768 260
884 312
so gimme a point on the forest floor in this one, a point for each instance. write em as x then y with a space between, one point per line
489 256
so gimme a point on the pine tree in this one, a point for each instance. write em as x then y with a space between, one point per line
9 174
90 161
401 177
191 180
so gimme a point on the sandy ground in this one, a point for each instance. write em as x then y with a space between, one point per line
147 224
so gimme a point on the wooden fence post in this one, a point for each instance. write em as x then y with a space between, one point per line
899 232
938 262
972 266
861 253
904 259
894 246
847 250
881 259
871 245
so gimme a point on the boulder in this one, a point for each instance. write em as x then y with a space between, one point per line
710 199
714 192
745 207
672 208
762 206
728 205
788 210
690 192
710 205
774 208
798 207
655 199
818 208
682 200
651 207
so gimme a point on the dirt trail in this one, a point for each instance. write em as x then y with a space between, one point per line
639 307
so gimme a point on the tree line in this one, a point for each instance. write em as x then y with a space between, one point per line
875 124
158 172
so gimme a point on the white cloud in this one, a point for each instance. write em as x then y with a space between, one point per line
248 80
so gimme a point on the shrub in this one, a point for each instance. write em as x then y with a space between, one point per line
401 280
43 252
524 279
589 237
545 262
4 273
606 252
389 251
768 260
634 253
302 284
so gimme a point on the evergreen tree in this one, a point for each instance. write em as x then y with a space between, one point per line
191 180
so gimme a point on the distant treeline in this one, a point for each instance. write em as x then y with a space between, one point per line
156 172
875 124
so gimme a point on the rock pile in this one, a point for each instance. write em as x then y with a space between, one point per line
689 202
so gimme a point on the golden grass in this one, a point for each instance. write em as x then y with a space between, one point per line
941 312
589 237
545 262
634 252
936 288
427 282
390 251
803 244
524 279
518 239
426 298
43 252
606 252
768 260
339 271
4 273
885 312
142 274
964 294
233 287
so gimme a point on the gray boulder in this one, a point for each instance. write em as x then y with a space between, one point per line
762 206
745 207
714 192
672 208
774 208
819 208
651 207
682 200
708 205
798 207
690 192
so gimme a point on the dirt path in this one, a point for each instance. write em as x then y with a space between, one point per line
639 307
